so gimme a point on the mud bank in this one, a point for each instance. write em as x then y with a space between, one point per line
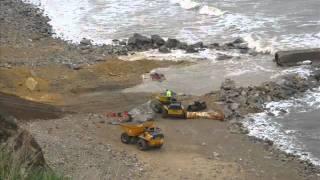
54 83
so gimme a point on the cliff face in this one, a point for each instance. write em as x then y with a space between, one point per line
20 144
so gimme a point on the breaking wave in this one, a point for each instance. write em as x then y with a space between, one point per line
186 4
203 9
259 45
212 11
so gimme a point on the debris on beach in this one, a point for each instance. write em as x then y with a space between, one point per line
157 77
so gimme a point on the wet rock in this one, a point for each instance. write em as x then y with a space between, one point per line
139 42
164 49
115 41
243 46
191 49
157 40
234 106
198 45
223 57
119 50
172 43
237 128
252 52
228 114
244 51
74 66
228 84
317 75
123 43
85 42
183 45
238 41
214 46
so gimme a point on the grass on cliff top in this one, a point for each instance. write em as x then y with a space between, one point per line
10 170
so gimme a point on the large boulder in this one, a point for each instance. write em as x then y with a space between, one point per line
172 43
139 42
20 144
295 57
157 41
8 128
183 45
31 83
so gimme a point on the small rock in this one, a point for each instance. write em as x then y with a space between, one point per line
214 46
234 106
216 155
223 57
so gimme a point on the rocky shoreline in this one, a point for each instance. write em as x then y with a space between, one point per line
37 32
238 102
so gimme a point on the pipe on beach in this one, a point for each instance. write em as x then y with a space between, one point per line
298 57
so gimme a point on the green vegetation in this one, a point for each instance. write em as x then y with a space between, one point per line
11 170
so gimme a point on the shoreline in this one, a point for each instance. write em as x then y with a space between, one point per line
75 52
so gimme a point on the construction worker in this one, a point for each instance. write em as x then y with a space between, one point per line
168 93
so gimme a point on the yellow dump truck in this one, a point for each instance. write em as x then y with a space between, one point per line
145 135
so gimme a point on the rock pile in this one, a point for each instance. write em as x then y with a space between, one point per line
240 101
139 42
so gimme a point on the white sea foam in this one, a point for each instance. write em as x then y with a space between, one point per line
203 9
186 4
263 46
303 71
180 55
262 125
212 11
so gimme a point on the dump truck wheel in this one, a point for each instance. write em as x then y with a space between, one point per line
156 106
142 145
125 138
134 140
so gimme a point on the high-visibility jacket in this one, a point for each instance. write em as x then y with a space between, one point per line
168 93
